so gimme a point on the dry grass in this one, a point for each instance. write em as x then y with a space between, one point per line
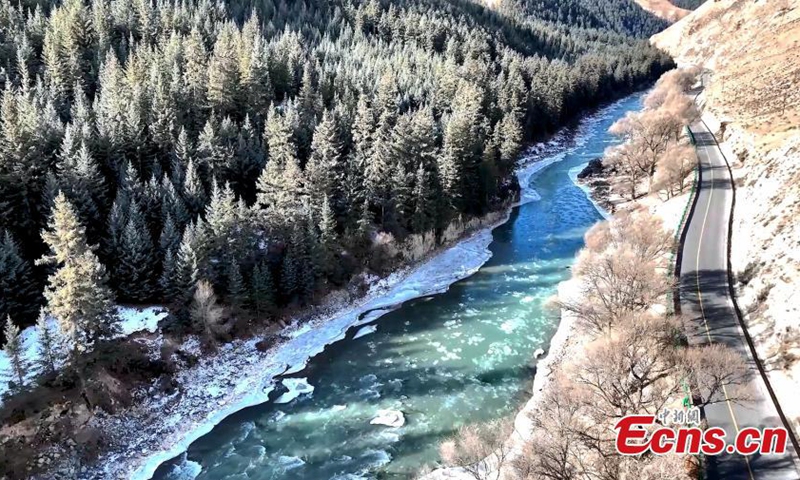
751 49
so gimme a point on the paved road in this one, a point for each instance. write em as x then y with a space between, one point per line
705 298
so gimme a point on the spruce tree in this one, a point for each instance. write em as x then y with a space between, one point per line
167 282
77 294
19 295
425 201
194 193
13 349
49 354
111 246
223 72
236 295
135 274
262 290
170 236
186 272
325 169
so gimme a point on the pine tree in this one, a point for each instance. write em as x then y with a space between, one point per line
13 349
49 354
77 295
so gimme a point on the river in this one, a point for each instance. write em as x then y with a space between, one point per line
459 357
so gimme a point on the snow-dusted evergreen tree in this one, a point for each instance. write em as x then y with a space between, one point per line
49 347
77 294
236 294
262 290
13 349
18 291
136 262
325 169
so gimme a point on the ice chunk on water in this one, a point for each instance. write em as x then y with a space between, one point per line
297 387
366 331
390 418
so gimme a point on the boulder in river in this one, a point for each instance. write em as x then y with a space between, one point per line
592 169
390 418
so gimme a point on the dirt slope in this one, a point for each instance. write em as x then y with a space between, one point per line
752 95
663 9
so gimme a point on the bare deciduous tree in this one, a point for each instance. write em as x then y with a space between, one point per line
717 373
481 450
630 370
208 316
625 160
673 167
615 283
644 234
650 132
555 450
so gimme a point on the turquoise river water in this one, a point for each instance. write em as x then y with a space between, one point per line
460 357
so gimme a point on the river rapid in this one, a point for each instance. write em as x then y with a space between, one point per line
460 357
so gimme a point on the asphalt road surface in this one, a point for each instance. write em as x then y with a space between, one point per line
706 299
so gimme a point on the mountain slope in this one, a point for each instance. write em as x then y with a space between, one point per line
751 97
665 9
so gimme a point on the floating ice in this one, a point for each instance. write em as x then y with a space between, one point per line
390 418
366 331
297 387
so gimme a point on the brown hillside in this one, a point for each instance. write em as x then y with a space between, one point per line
663 9
752 49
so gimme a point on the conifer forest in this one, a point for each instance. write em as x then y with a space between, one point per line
257 146
236 161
